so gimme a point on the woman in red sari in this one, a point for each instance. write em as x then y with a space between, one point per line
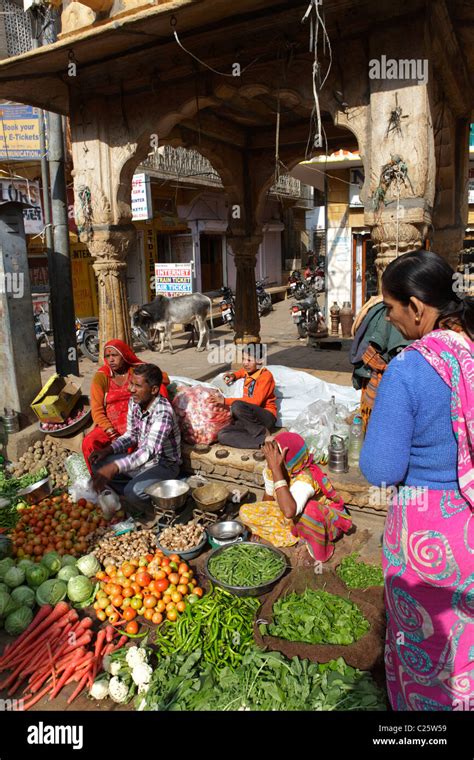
110 396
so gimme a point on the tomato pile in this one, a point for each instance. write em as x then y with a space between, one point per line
153 586
56 524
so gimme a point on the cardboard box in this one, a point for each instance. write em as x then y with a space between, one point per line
57 398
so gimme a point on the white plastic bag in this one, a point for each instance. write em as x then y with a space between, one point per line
318 422
109 503
83 489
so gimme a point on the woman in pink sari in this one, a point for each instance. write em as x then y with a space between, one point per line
421 439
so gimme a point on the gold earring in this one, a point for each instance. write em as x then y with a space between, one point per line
417 320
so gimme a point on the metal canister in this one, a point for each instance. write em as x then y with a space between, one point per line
338 454
10 421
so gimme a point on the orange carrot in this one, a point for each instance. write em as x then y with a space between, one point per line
81 686
66 674
36 698
42 613
32 644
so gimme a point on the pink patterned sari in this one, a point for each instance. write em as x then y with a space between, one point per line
429 561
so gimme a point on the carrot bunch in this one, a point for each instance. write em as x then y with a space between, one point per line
55 650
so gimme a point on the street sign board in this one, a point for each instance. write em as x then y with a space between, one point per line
174 279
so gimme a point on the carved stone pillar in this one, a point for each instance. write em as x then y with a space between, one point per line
391 240
247 321
109 247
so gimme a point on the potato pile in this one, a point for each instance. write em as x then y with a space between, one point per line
113 550
44 454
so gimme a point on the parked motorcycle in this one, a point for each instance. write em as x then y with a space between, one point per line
315 278
264 299
87 337
44 338
308 318
227 306
140 335
295 281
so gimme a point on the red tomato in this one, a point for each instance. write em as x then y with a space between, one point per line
132 627
143 578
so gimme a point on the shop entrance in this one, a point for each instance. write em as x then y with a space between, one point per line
210 247
364 273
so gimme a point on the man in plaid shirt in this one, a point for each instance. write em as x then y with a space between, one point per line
152 438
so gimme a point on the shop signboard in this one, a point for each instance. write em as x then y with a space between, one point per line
471 183
174 279
357 181
141 198
24 191
19 132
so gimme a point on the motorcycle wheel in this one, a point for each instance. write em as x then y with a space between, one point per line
46 351
90 345
143 338
302 330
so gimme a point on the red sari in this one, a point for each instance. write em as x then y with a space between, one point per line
116 400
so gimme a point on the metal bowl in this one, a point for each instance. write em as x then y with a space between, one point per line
264 588
189 553
37 491
169 494
74 427
226 532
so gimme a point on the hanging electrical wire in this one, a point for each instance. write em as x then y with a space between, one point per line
316 22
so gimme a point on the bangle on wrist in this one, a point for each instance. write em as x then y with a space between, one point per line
280 484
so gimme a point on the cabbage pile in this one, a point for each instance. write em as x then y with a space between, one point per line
25 584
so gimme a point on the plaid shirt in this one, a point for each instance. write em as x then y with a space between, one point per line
154 435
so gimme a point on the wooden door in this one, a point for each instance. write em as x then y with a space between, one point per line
210 247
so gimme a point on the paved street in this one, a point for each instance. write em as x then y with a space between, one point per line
277 331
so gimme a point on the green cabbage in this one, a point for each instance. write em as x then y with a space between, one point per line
52 561
24 595
79 589
88 565
5 565
68 559
4 600
67 572
12 605
4 587
25 564
14 577
51 592
36 575
18 621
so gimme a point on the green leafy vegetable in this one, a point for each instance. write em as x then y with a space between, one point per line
246 565
263 681
79 588
14 577
5 565
358 574
36 575
10 486
52 561
317 617
25 596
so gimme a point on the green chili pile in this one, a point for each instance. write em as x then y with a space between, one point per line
358 574
220 624
246 565
317 617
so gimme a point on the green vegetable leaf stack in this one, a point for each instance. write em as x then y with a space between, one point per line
317 617
358 574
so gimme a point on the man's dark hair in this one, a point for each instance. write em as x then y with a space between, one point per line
256 351
152 374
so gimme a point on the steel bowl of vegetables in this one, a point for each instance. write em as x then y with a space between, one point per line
246 569
186 540
36 492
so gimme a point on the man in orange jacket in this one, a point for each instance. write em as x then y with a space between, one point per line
255 413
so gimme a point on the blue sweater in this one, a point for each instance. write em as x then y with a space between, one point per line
410 438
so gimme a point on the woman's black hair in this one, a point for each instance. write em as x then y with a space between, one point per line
427 276
152 374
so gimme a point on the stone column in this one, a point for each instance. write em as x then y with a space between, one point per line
109 247
247 321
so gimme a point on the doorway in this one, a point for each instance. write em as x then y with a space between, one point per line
364 273
210 247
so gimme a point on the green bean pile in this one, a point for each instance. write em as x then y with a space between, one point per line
246 566
220 624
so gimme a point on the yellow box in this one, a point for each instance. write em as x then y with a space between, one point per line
57 398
